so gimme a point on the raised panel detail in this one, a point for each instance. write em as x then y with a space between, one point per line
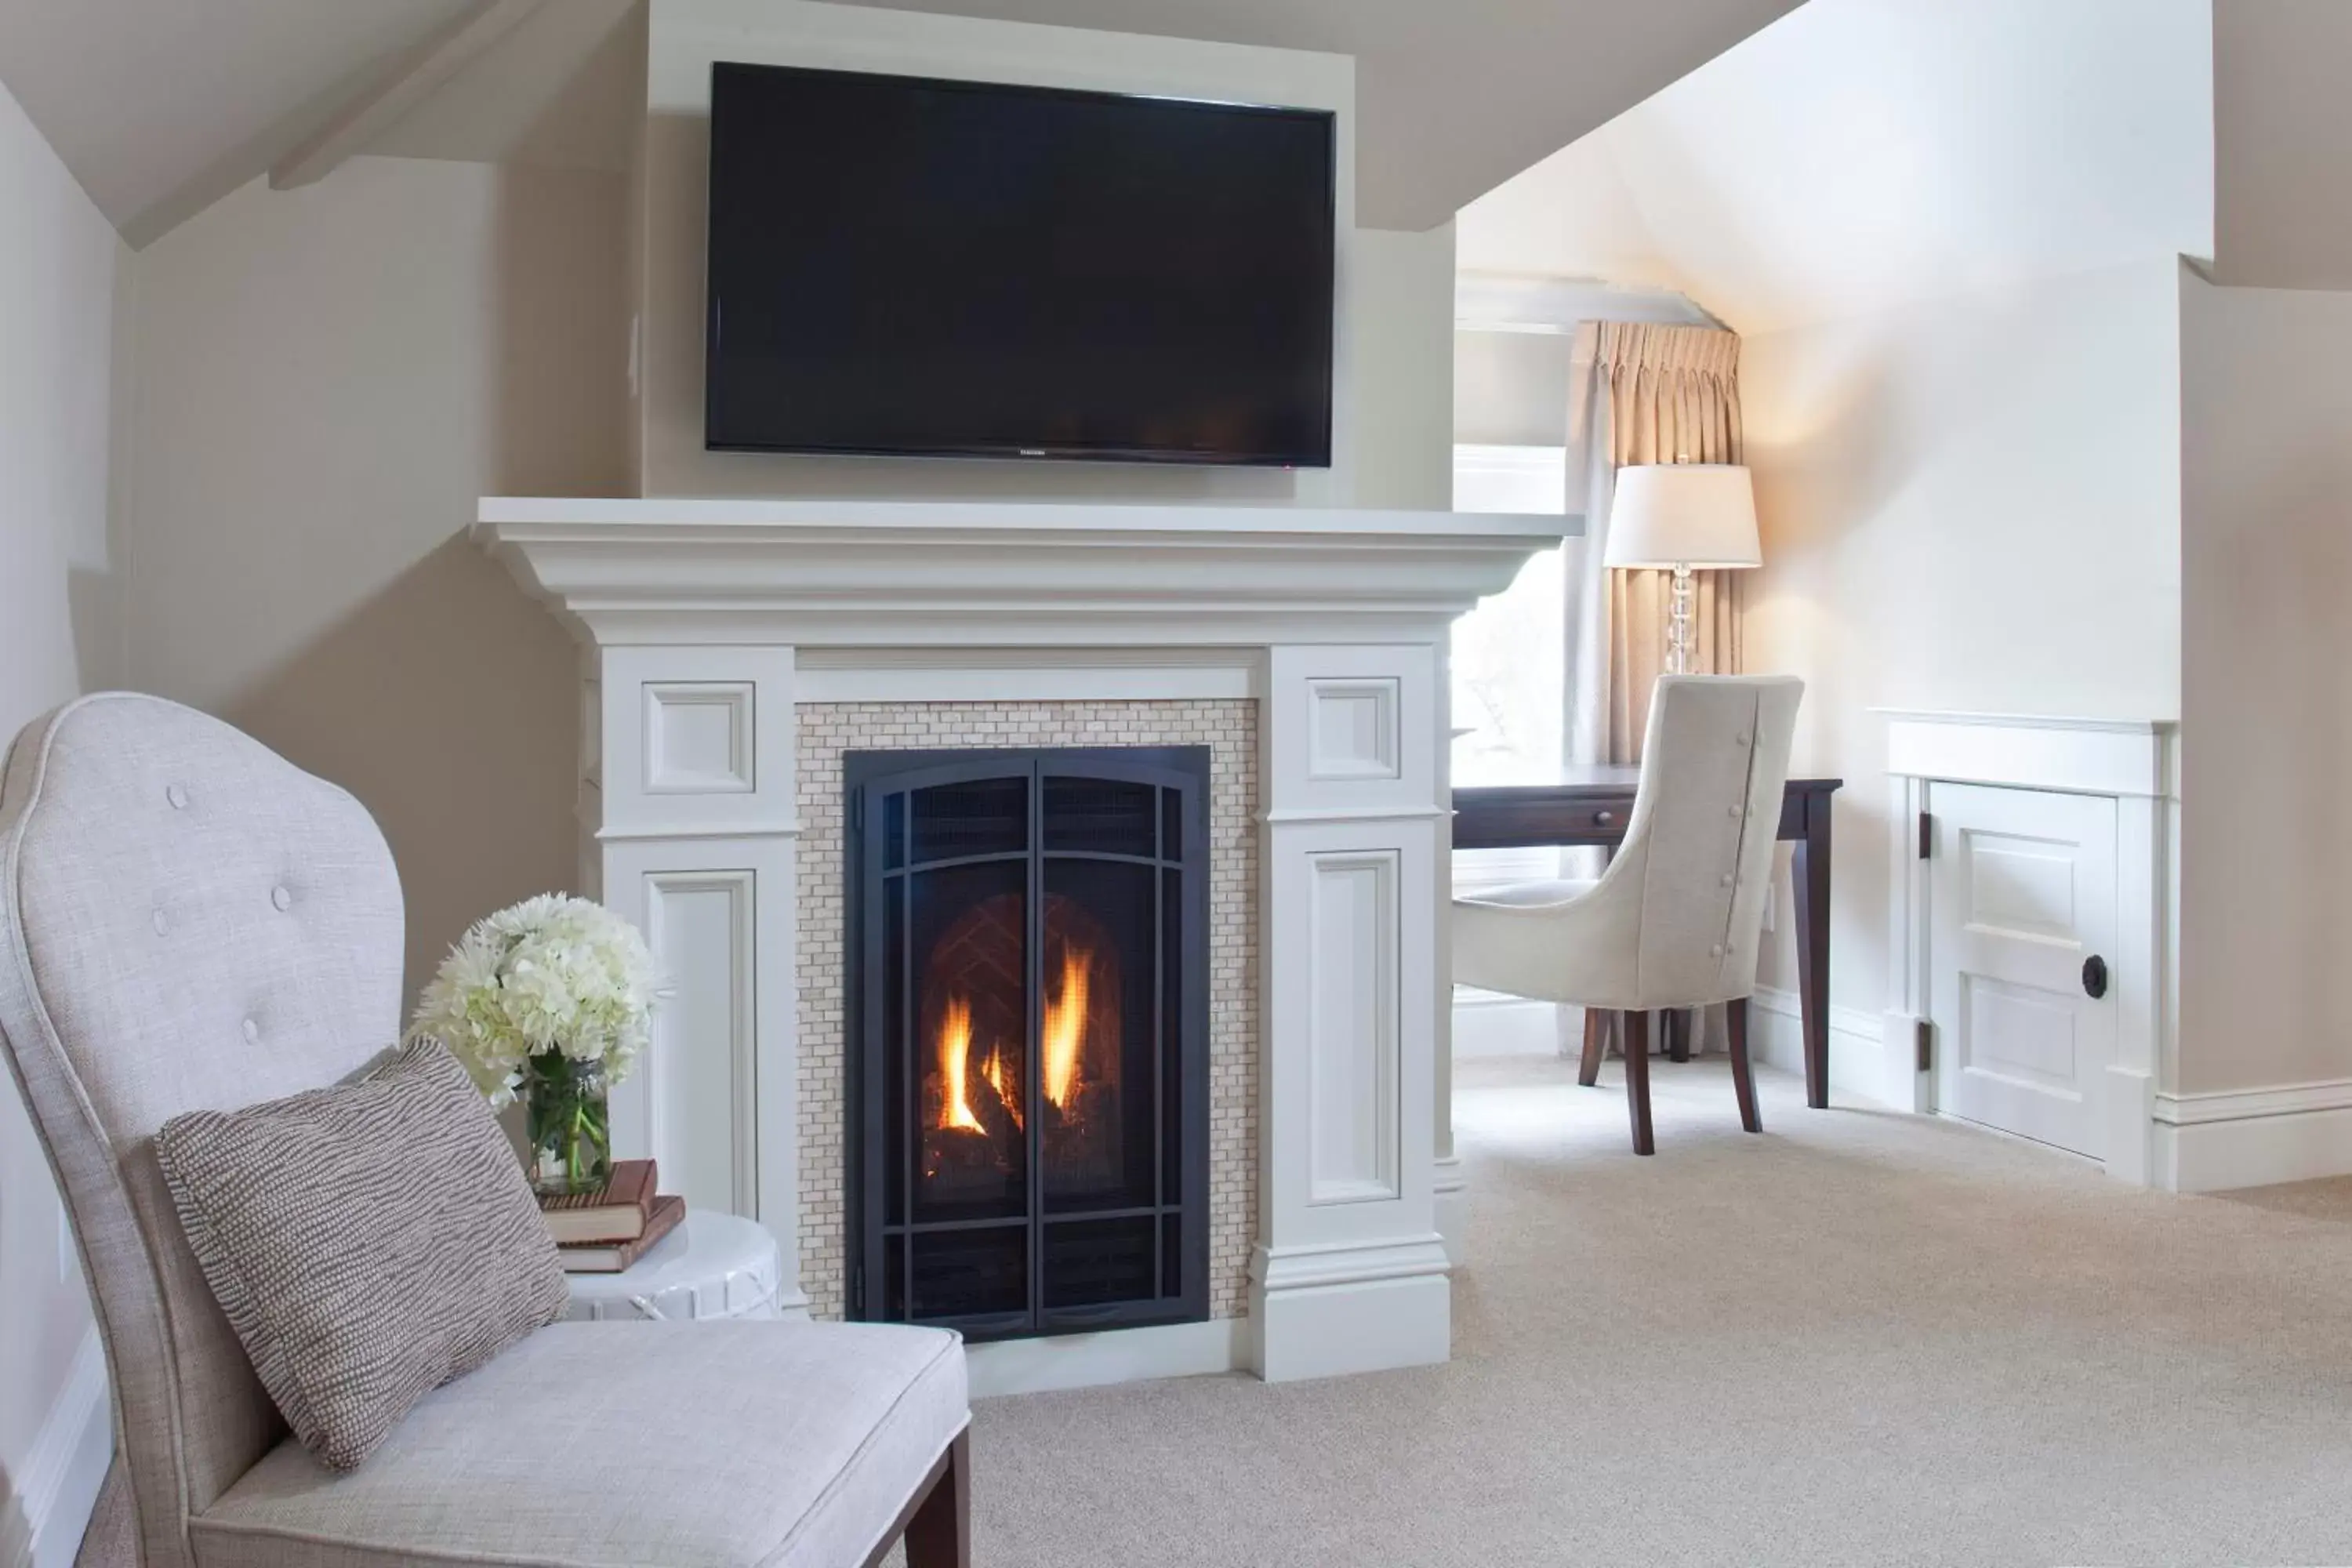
698 738
702 1073
1353 733
2019 1034
2021 886
1353 1045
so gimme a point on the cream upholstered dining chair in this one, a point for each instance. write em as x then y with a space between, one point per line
1674 921
187 921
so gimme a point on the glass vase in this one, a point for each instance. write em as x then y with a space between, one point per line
570 1128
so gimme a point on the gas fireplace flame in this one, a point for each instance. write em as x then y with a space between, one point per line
955 1054
1062 1049
1066 1027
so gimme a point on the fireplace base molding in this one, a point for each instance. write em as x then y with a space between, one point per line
706 624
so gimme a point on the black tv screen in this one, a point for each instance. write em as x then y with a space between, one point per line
900 265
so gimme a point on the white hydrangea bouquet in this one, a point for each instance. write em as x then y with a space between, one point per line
548 1002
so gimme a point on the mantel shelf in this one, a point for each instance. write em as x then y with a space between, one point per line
884 573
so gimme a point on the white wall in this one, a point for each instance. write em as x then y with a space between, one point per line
1395 290
2267 557
1970 504
1949 233
328 379
59 636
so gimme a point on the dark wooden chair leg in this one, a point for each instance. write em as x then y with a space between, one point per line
1679 1023
1596 1041
1637 1079
939 1531
1743 1077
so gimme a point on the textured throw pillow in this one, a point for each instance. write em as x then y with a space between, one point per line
369 1242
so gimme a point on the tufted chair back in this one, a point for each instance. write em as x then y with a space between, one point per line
187 921
1697 854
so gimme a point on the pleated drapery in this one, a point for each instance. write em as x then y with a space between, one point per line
1640 392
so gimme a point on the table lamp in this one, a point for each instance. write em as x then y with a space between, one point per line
1683 518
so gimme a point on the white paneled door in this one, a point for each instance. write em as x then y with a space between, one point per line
2024 932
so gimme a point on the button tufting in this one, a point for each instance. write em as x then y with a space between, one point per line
1731 811
1726 879
1715 952
252 1031
281 898
178 795
1740 739
160 922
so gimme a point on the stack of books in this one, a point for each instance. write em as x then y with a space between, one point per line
603 1233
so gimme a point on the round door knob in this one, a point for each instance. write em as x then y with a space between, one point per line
2094 977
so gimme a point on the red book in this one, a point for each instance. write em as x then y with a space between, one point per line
668 1209
619 1213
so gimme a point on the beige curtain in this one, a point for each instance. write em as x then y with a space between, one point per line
1640 393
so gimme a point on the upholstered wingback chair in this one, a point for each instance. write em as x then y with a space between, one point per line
186 920
1675 921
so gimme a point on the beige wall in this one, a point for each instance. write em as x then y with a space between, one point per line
59 636
2282 133
1403 301
2267 556
1971 504
327 379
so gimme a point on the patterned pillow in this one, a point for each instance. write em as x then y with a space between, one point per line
369 1242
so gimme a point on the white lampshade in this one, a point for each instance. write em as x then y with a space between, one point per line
1700 515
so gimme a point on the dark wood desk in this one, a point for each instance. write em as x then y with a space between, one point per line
1590 805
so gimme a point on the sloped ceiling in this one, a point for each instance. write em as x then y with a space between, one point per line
1861 155
160 107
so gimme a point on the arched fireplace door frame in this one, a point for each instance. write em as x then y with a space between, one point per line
903 1268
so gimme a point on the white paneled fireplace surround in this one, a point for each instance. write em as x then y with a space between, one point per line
735 651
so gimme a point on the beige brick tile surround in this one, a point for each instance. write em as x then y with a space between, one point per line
1229 727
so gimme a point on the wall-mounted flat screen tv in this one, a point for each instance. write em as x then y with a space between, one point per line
900 265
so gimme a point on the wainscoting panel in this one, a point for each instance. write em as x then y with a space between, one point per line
704 934
1353 1046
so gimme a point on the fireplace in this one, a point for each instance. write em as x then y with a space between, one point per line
1027 1037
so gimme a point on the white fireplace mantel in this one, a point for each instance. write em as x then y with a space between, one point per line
895 573
706 622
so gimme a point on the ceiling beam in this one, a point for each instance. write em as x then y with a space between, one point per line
408 81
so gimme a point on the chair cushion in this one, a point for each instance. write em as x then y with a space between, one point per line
369 1242
1528 895
683 1445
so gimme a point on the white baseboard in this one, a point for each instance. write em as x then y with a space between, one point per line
2252 1137
1859 1063
61 1475
1450 1205
1115 1355
1490 1025
1332 1309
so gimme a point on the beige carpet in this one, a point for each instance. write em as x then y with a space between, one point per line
1858 1339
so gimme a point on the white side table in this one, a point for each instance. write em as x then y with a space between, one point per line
712 1266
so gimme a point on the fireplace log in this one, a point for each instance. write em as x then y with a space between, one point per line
1000 1121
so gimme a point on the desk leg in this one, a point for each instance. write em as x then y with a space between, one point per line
1810 873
